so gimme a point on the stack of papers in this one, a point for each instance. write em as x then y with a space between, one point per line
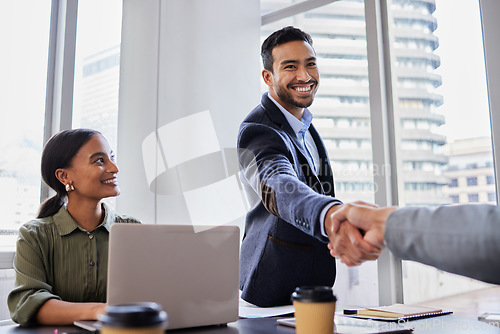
248 310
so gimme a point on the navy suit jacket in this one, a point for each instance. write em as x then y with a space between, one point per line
283 246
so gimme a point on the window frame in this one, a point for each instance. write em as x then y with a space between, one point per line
491 33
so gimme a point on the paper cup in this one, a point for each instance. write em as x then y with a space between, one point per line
314 309
139 318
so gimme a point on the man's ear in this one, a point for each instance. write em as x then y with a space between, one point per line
268 77
62 175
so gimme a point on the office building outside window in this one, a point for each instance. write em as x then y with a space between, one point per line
470 170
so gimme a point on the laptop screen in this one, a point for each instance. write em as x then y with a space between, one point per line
194 276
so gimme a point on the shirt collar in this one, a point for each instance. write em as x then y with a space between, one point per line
297 126
65 224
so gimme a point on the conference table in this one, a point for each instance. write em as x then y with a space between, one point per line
466 308
442 325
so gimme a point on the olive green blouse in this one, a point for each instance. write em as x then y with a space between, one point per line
56 258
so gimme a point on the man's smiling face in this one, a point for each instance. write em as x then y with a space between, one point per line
295 76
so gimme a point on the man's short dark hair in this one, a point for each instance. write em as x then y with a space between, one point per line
282 36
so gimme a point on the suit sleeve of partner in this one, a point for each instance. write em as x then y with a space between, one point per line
461 239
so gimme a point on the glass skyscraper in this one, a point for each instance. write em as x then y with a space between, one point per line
342 105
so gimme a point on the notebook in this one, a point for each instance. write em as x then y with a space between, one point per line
344 325
397 312
194 276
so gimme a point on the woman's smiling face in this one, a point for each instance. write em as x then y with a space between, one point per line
93 171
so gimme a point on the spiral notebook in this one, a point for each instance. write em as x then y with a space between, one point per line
397 312
344 325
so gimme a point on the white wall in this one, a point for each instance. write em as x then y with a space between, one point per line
190 72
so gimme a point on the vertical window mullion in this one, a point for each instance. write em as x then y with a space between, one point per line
491 34
60 71
383 137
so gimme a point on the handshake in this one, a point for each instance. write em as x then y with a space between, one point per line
356 231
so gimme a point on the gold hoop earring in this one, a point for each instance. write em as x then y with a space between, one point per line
69 188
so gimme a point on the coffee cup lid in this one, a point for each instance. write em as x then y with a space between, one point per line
314 294
134 315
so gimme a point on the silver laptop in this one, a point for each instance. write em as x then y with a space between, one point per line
194 276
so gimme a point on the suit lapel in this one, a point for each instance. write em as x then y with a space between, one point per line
314 181
279 119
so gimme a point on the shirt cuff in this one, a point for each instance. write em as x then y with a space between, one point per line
25 313
323 216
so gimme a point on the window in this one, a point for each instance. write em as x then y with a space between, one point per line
431 83
453 183
472 181
24 32
492 197
490 179
97 67
473 198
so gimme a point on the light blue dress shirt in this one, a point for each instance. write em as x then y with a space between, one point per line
301 129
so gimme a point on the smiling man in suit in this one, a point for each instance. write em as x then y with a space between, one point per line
288 179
